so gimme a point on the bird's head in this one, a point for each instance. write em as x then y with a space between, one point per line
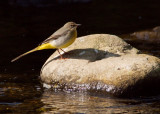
71 25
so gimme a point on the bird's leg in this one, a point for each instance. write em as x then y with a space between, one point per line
62 50
59 53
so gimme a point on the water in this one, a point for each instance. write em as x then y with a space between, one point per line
60 102
22 28
20 100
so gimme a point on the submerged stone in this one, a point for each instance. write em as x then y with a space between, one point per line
103 63
149 36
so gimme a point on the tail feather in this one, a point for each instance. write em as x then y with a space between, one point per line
33 50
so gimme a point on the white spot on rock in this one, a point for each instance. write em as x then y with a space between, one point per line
82 53
46 86
96 50
81 39
128 67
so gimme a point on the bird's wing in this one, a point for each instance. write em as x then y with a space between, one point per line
53 37
49 39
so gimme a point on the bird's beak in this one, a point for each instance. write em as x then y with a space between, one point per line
78 25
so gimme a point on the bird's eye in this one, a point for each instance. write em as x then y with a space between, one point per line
72 25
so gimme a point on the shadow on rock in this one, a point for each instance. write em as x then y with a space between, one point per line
89 54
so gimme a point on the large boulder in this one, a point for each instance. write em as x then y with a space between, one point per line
103 63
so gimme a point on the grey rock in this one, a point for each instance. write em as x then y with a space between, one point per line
102 63
152 35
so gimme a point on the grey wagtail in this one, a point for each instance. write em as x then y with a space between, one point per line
62 38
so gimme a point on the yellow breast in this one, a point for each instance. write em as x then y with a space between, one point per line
70 41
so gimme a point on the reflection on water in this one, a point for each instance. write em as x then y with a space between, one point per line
18 95
30 98
63 102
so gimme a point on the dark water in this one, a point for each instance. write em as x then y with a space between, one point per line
22 28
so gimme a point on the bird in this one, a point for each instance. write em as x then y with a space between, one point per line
61 38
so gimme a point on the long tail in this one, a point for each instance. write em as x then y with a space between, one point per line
33 50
